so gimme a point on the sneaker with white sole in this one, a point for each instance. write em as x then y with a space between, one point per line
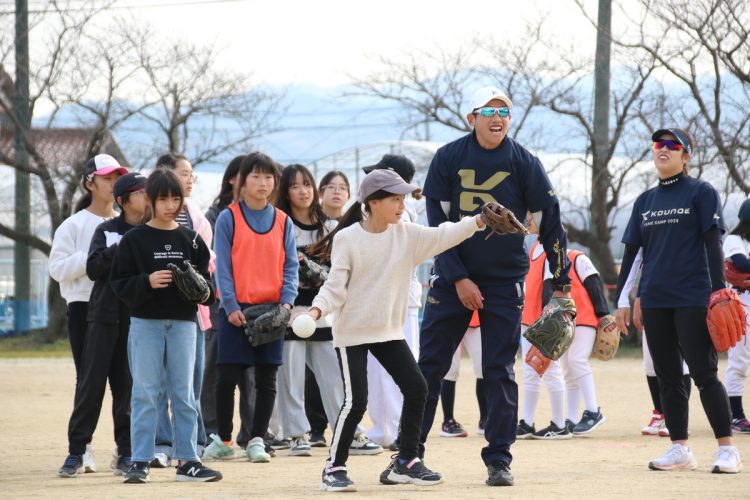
741 425
122 466
590 420
195 471
72 466
451 428
552 431
336 479
89 459
727 460
161 461
677 457
217 450
137 473
318 439
413 472
300 447
480 428
524 430
363 446
256 451
656 424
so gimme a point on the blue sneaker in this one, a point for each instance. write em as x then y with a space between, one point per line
336 479
72 466
589 421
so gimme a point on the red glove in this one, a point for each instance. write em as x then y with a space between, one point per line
726 319
537 361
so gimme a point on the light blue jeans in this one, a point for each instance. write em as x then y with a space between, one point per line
159 351
164 424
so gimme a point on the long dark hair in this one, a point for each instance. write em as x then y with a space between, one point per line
742 229
162 183
85 200
261 163
322 249
226 193
315 211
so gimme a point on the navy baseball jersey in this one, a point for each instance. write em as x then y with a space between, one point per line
668 222
467 175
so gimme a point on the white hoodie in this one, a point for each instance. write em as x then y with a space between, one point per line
70 250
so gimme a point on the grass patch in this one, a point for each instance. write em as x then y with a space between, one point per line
33 344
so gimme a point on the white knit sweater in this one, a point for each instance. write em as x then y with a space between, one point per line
368 285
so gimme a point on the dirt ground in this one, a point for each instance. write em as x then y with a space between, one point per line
37 394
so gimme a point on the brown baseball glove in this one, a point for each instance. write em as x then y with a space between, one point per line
537 361
726 319
607 339
736 278
501 220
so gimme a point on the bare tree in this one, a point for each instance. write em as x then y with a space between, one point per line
704 44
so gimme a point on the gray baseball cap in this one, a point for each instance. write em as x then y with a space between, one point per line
385 180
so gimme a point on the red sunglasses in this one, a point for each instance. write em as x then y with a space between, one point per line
670 145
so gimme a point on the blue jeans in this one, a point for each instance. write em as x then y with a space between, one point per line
164 425
162 350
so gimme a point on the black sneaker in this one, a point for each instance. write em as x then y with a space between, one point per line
72 466
569 424
137 473
393 446
122 466
524 430
589 421
384 475
499 474
196 471
413 472
281 444
335 479
451 428
317 439
552 431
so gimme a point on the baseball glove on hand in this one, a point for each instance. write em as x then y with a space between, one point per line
607 339
538 362
725 319
265 323
553 332
501 220
311 274
736 278
191 285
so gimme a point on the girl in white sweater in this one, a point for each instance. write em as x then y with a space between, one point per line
367 291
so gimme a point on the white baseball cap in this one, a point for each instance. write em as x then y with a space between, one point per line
484 95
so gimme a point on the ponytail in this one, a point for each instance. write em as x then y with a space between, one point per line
87 198
321 251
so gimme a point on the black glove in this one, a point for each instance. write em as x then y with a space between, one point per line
265 323
191 285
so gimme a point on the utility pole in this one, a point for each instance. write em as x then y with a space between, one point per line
21 251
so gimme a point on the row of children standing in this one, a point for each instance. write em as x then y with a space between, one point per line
155 331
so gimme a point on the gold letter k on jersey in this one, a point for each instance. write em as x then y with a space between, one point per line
472 191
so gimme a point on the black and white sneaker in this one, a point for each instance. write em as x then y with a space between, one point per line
336 479
72 466
524 430
197 472
317 439
137 473
589 421
413 472
384 475
499 474
122 466
552 431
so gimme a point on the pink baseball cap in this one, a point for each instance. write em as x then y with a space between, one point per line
103 165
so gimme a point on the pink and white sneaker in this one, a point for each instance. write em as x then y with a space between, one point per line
655 426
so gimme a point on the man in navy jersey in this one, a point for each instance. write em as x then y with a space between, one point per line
486 275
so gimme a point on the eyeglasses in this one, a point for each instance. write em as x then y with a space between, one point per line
670 145
489 112
186 176
336 188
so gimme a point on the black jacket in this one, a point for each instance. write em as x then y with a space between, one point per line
104 305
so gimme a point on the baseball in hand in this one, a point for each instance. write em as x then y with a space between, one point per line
303 326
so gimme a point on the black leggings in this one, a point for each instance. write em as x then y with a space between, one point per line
398 361
228 377
674 334
77 326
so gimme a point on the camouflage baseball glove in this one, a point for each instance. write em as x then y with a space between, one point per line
736 278
265 323
726 319
553 332
501 220
607 339
191 285
311 274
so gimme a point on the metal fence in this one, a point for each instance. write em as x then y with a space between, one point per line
38 307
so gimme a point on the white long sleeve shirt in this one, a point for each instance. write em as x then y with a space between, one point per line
70 249
368 286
